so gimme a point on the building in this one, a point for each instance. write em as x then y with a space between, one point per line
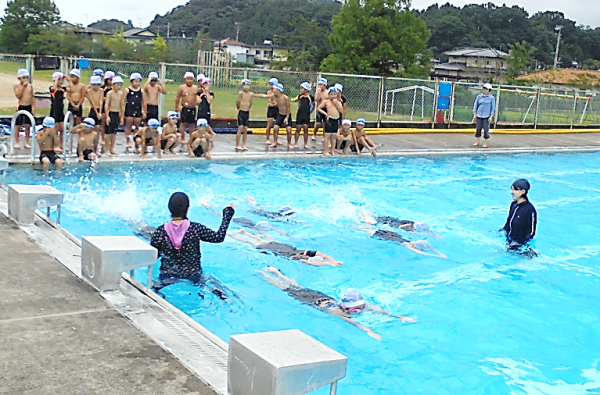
260 55
96 35
231 46
266 53
583 79
473 65
137 36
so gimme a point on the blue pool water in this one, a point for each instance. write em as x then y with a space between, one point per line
489 322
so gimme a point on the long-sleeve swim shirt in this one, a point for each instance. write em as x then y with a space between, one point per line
521 222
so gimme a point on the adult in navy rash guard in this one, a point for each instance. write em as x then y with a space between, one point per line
522 218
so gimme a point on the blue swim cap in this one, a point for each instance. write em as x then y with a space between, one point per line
360 121
202 122
521 184
352 298
99 72
305 85
153 123
332 89
48 122
322 81
172 114
246 81
89 122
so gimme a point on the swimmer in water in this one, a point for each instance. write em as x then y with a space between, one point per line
285 213
260 226
521 222
310 257
419 246
409 226
352 301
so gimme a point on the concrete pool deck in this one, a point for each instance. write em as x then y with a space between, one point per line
59 336
406 144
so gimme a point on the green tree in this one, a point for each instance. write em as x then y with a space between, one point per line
519 59
54 41
160 52
591 64
308 46
23 18
381 37
119 48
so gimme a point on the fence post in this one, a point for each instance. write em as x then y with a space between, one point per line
575 97
161 97
64 65
451 105
246 73
497 108
380 103
537 108
29 66
435 100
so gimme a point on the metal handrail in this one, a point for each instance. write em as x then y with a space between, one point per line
67 125
32 130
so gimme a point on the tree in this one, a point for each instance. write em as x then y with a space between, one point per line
591 64
23 18
519 59
380 37
159 50
54 41
308 46
119 48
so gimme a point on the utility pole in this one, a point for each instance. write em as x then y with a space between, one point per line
559 29
237 34
168 28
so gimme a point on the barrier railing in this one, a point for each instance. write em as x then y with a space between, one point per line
14 132
68 126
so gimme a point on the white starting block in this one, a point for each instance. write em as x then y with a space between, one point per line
104 258
3 168
23 200
281 363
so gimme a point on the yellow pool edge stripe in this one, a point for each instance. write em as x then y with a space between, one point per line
455 131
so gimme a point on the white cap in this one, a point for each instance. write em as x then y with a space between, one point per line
323 81
421 226
135 76
89 122
117 80
305 85
48 122
422 245
273 81
96 80
172 114
109 75
200 77
278 86
487 86
339 87
153 75
206 81
263 225
99 72
360 121
246 81
153 123
352 298
56 75
201 122
22 73
188 74
347 122
76 73
332 89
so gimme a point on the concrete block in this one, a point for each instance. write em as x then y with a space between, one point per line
23 200
104 258
281 363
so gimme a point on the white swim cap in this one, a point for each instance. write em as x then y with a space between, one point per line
109 75
352 298
117 80
323 81
305 85
56 75
48 122
200 77
273 81
246 81
89 122
98 72
316 259
22 73
172 115
360 121
347 122
96 80
202 122
188 74
339 87
279 87
153 123
135 76
206 81
286 210
153 75
263 225
422 245
421 226
76 73
332 89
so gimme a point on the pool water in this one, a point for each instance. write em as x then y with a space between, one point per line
489 321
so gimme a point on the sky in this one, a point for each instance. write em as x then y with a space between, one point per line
142 12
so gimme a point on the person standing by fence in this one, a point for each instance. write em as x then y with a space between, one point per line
483 111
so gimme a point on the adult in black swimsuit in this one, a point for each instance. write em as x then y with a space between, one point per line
409 226
521 222
178 242
310 257
352 301
285 213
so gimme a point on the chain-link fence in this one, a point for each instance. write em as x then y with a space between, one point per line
377 99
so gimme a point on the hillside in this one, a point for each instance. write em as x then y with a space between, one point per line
259 19
111 25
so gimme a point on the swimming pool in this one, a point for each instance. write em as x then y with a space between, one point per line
488 321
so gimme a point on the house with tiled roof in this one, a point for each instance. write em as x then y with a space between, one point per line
473 65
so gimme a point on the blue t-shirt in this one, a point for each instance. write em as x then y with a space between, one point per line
484 106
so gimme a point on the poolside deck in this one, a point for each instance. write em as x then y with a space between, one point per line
393 145
59 336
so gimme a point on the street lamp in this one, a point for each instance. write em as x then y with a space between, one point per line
558 28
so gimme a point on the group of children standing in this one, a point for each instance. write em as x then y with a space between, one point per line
137 108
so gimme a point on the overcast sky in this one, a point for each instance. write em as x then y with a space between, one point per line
585 12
